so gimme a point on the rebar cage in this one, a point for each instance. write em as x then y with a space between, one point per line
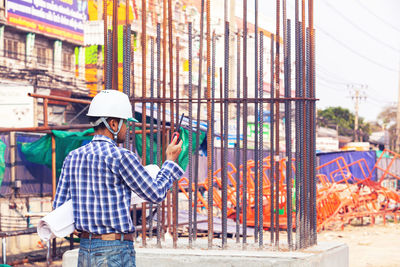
254 183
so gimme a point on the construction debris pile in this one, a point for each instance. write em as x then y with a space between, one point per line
341 197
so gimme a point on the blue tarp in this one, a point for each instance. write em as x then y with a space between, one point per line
35 178
367 161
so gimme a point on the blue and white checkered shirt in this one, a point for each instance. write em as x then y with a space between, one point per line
99 178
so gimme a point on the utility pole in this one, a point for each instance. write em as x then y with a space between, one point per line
357 95
398 118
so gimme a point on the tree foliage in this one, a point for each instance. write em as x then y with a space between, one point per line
388 120
343 120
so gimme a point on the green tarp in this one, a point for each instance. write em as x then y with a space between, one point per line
2 160
183 157
40 151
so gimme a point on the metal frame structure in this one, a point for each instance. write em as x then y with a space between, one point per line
255 187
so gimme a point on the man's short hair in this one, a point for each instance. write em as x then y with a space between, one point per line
101 125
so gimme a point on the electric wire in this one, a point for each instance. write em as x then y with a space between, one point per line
360 28
356 52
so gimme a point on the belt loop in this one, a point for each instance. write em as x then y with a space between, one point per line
122 237
90 236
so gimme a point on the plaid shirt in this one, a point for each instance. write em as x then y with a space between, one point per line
99 178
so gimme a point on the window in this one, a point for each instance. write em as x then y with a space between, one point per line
2 9
41 55
67 61
11 48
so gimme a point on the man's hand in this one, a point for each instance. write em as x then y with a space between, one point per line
173 149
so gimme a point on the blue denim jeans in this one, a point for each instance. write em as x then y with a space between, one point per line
97 252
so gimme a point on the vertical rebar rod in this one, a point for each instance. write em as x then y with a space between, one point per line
302 144
244 230
197 145
261 145
209 135
175 206
313 112
237 148
109 60
171 103
287 114
212 129
272 135
225 130
189 189
133 212
313 120
222 154
114 51
277 118
288 128
159 153
151 125
144 37
133 95
308 140
127 71
304 117
105 75
164 95
297 124
256 122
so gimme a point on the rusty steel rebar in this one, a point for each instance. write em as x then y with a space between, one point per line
224 133
171 106
144 77
105 33
223 155
197 145
297 122
159 153
244 204
190 89
256 119
212 129
288 130
237 148
271 149
261 142
175 207
114 77
151 141
313 123
209 160
249 182
277 95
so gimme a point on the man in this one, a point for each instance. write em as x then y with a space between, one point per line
99 178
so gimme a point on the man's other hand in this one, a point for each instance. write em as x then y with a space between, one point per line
174 149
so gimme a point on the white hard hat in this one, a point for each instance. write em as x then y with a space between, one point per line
110 103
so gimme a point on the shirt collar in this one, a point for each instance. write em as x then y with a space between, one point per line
103 138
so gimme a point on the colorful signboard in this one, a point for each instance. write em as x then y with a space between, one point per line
62 19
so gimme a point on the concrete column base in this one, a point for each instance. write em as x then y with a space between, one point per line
322 255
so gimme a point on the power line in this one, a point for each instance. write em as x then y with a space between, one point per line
330 80
329 86
361 29
356 52
331 73
378 17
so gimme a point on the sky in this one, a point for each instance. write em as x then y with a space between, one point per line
357 47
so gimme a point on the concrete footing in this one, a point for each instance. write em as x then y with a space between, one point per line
322 255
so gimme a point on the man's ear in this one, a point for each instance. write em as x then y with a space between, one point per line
113 124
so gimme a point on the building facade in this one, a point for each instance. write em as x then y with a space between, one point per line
40 52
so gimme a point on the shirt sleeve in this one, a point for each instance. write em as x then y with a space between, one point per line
140 181
62 192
